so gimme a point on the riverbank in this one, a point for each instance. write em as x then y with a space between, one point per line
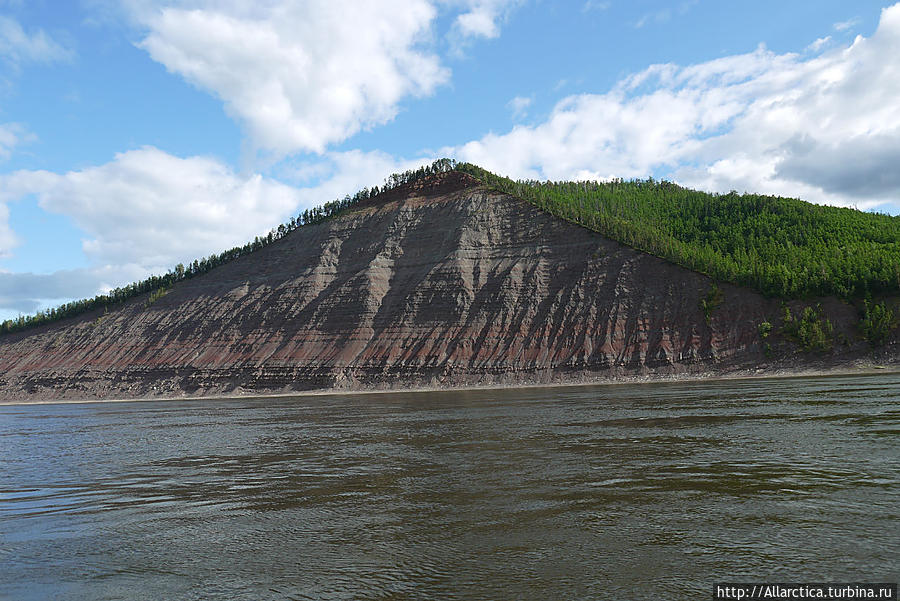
861 368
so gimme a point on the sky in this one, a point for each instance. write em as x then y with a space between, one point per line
138 134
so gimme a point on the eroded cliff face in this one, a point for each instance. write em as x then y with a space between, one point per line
447 283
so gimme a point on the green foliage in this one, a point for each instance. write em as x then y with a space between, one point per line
810 331
158 294
765 329
710 302
877 323
782 247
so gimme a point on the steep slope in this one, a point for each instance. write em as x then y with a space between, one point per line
445 282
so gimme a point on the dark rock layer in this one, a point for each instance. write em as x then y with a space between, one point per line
447 283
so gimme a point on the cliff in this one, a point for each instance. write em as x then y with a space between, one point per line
441 283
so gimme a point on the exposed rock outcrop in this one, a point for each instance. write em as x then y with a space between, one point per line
442 283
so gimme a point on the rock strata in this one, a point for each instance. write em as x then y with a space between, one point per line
443 283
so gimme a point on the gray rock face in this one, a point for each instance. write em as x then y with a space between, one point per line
444 284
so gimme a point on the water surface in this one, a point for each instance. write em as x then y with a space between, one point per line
609 492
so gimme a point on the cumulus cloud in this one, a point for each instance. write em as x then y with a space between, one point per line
863 167
299 76
482 18
18 47
847 25
302 76
147 210
8 239
819 44
26 292
152 209
12 135
825 128
519 106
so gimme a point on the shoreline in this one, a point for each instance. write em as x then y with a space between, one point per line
778 374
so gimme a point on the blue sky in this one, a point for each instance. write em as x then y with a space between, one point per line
136 134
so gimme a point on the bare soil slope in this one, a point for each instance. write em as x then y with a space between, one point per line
441 283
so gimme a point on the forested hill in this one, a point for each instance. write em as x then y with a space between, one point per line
781 247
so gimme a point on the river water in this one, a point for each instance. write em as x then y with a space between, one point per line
651 491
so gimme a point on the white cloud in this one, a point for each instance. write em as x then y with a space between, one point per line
595 5
28 292
819 44
304 76
848 24
519 106
482 17
151 209
17 46
147 210
12 135
824 128
660 16
8 238
299 76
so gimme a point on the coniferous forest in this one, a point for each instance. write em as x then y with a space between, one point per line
781 247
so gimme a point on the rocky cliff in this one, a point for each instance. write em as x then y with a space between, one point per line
443 283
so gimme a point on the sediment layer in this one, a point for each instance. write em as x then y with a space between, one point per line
446 283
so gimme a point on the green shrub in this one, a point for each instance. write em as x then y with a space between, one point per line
877 323
156 295
811 331
711 302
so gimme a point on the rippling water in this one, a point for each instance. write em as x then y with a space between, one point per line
612 492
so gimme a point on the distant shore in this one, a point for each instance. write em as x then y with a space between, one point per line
745 374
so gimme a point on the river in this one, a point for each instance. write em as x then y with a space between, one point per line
653 491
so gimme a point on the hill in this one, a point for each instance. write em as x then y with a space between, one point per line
438 280
782 247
